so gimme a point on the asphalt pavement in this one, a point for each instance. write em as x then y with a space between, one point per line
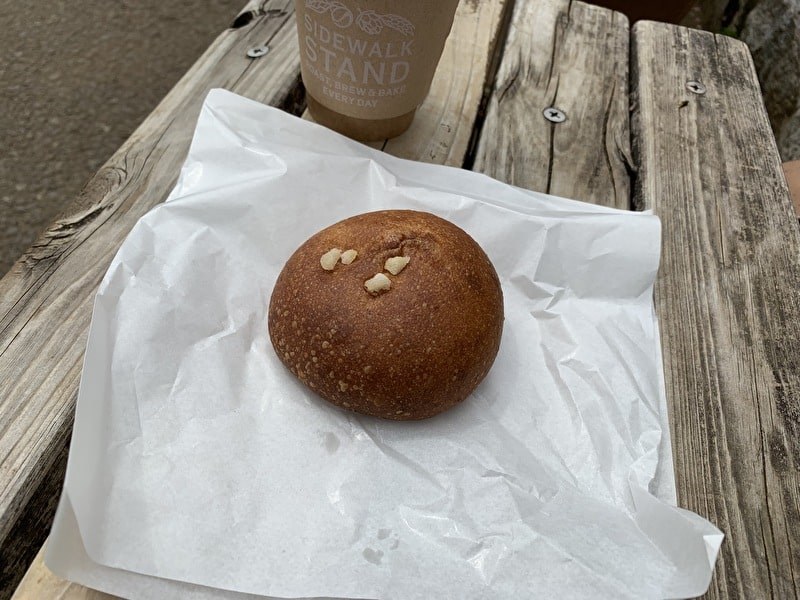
76 78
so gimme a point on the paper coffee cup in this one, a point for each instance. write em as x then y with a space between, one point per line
368 64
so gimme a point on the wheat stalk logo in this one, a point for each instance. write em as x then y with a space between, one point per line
368 21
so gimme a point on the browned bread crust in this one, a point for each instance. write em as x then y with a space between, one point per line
407 352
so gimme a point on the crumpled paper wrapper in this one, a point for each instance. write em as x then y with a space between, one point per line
200 468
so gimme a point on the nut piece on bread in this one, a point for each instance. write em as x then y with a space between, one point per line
407 349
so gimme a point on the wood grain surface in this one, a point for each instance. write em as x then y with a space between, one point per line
728 299
574 57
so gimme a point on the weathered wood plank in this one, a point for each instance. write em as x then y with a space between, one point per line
443 125
572 56
728 297
46 299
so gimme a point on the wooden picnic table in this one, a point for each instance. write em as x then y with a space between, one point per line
658 117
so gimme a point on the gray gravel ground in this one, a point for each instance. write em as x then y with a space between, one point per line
76 78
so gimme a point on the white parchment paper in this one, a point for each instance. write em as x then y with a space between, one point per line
201 468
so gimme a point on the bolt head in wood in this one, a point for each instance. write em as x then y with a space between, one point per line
258 51
696 87
554 115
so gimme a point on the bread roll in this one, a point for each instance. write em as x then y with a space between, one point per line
396 314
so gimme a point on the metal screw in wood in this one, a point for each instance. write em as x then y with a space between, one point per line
257 51
554 115
696 87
